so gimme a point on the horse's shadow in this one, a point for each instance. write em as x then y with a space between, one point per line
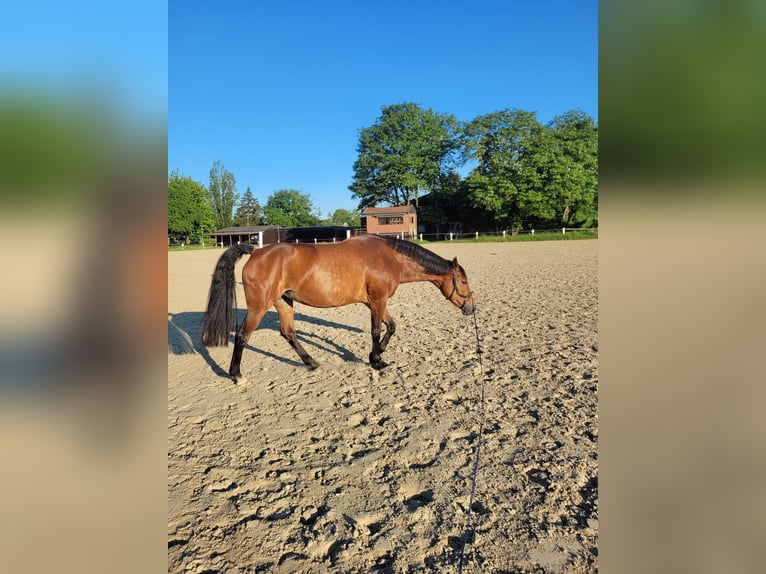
184 337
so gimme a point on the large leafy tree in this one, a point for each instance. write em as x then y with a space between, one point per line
574 179
446 197
189 212
559 178
503 144
350 218
249 211
223 194
290 208
402 154
528 172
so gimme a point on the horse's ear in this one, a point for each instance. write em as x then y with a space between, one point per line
455 265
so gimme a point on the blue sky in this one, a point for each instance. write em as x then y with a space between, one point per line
278 91
111 53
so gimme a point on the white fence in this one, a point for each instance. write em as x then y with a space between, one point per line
451 236
257 239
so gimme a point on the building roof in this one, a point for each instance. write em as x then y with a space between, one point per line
396 210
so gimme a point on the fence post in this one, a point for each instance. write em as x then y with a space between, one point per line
503 233
333 241
348 233
260 240
477 235
315 240
533 232
450 236
563 230
421 237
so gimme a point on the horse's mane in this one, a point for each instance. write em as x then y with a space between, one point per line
429 260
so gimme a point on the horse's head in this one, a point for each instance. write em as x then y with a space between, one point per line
456 289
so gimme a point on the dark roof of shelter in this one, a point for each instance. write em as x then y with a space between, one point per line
318 227
243 230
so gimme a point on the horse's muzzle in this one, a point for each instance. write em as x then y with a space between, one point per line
468 308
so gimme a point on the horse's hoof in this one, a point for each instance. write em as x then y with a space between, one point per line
313 365
379 366
242 382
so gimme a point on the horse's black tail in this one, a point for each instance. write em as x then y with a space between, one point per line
220 314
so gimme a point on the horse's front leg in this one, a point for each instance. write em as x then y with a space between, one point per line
390 330
376 313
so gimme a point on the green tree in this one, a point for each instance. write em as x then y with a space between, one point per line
448 195
402 154
506 180
189 212
352 218
249 210
574 180
558 179
223 194
527 172
290 208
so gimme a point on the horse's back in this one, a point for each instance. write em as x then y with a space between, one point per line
364 249
322 275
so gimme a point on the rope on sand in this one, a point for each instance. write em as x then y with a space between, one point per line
469 520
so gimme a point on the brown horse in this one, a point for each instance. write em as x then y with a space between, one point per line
366 269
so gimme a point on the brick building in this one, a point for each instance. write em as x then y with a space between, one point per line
399 220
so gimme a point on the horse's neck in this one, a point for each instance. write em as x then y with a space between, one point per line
413 272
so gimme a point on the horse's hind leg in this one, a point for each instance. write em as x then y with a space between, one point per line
377 313
249 324
284 308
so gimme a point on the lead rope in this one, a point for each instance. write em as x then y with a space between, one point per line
469 521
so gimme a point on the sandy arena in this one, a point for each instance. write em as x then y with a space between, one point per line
347 469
